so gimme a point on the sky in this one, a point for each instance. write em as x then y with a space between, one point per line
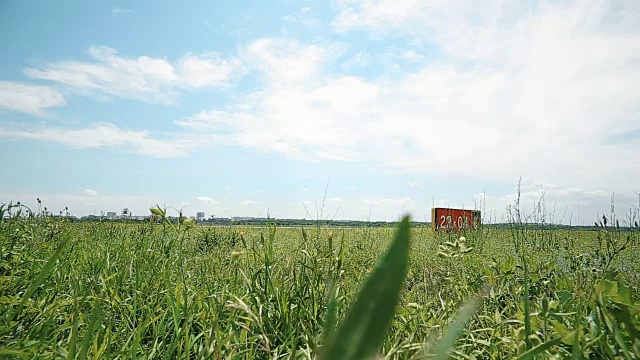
342 109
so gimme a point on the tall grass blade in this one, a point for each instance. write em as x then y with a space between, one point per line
47 269
576 351
330 318
454 330
527 310
365 327
73 337
94 323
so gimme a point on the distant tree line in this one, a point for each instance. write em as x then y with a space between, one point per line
353 223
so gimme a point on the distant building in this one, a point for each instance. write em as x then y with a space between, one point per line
200 216
111 215
126 212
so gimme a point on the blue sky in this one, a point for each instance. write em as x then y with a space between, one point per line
251 108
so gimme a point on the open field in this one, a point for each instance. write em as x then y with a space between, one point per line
117 290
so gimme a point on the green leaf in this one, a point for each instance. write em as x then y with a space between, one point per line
157 211
531 353
607 288
189 223
564 296
365 327
624 295
15 353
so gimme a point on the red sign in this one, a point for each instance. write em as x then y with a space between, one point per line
454 219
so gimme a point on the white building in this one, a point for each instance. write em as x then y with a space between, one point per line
200 216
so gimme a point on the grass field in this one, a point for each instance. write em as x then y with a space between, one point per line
167 291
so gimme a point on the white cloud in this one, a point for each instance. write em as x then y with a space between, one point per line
380 15
208 70
335 199
359 60
351 117
108 135
412 55
387 208
207 200
414 184
305 189
30 99
473 30
90 192
303 16
142 78
347 94
118 10
296 104
284 61
250 202
388 201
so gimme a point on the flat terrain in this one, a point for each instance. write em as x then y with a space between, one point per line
117 290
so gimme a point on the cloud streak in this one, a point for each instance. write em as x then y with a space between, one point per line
207 200
118 10
414 184
27 98
106 135
90 192
143 78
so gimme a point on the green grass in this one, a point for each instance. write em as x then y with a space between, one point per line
115 290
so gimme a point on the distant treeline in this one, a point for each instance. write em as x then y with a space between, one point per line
354 223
